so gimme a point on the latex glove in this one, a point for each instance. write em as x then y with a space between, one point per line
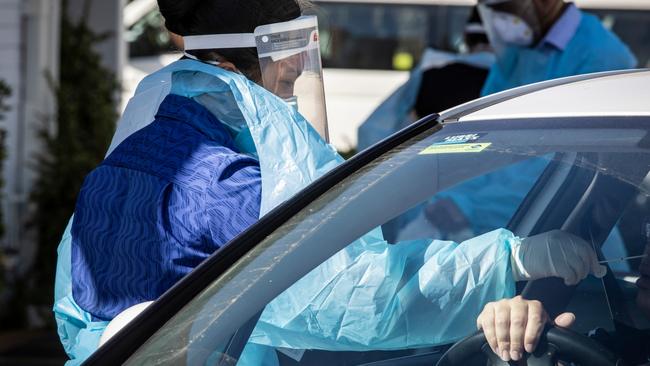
555 254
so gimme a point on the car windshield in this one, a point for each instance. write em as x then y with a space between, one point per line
370 270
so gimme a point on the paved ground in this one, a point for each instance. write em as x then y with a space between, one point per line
31 348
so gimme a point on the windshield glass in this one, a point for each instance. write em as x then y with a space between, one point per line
399 258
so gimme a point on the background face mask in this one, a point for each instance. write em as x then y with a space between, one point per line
511 29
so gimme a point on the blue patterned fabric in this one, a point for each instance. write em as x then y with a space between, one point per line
163 201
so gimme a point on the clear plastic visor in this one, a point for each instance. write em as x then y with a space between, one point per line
291 67
290 63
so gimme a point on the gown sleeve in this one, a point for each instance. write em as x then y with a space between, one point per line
377 296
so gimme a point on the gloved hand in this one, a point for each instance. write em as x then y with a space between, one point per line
555 254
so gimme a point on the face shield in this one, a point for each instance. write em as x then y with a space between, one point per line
510 22
290 63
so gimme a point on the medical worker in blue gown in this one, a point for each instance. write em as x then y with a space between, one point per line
212 142
537 40
534 40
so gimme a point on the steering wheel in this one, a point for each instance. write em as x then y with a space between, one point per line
555 344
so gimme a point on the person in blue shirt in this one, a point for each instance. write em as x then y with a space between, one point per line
534 40
537 40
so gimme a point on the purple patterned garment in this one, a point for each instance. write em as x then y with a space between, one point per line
161 203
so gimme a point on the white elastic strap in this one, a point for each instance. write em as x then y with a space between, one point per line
219 41
188 55
474 28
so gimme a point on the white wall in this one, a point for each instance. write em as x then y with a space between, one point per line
105 16
11 71
29 55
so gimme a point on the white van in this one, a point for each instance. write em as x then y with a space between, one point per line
368 46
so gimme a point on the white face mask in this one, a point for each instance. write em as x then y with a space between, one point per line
511 29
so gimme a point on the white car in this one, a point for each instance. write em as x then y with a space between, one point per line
369 46
591 132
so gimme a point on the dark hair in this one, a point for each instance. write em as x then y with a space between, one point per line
194 17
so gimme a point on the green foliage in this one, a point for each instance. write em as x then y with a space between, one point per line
86 116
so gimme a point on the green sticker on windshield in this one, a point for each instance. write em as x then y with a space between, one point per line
455 148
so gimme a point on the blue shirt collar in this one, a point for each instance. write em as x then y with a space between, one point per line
564 28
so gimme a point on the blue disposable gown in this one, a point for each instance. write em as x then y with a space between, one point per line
291 155
393 113
592 49
376 296
373 295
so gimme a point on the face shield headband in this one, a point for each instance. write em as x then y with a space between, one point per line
290 63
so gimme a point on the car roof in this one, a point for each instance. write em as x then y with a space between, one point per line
608 94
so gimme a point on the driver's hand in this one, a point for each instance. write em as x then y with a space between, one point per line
512 326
